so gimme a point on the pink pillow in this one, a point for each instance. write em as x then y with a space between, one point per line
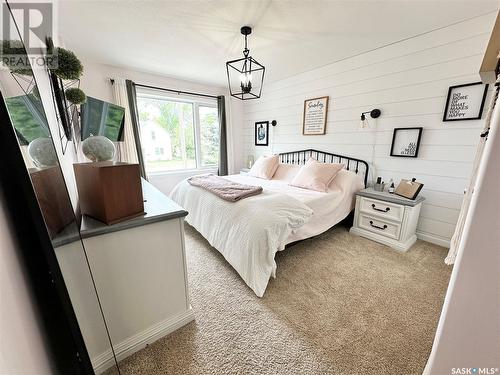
315 175
264 167
286 172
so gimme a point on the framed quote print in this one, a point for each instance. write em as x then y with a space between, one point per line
262 133
315 112
465 102
406 142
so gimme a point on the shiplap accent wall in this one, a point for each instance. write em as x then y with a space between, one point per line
409 82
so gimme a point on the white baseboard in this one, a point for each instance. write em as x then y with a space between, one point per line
432 238
137 342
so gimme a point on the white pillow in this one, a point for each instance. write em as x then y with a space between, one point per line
315 175
265 167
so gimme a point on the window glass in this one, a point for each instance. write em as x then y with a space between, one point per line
167 134
209 136
178 134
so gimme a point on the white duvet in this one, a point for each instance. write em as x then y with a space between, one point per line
248 232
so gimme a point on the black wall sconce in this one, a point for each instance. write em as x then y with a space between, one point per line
374 113
274 123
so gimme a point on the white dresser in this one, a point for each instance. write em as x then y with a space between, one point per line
139 268
386 218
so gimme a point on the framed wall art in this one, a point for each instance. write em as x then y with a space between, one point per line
406 142
262 133
465 102
315 113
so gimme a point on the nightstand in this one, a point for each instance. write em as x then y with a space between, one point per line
244 170
386 218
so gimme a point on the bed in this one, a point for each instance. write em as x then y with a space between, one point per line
248 233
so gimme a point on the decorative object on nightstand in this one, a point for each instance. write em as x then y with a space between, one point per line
386 218
379 185
409 189
250 161
391 187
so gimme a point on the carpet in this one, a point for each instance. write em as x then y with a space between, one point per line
340 304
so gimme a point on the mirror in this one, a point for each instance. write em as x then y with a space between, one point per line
31 111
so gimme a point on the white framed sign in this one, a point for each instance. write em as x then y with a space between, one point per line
465 102
315 112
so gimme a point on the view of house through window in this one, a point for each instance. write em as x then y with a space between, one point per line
178 134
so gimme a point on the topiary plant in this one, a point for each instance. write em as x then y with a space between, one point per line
68 65
75 95
13 56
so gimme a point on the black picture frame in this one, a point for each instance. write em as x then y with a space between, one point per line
260 125
394 135
450 92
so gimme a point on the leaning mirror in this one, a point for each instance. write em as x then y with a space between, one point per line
31 111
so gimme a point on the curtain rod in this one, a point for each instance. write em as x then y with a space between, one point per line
176 91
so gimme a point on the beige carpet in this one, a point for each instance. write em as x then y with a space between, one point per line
340 304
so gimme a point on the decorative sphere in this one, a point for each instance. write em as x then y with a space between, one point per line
42 152
98 148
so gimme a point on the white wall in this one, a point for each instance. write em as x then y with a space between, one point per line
22 349
408 81
468 333
95 83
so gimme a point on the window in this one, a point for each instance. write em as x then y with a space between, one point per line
177 133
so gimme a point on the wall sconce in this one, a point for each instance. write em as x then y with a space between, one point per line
374 113
274 123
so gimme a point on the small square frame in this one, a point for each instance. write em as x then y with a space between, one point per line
394 135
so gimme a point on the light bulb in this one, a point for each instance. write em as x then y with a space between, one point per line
364 124
245 78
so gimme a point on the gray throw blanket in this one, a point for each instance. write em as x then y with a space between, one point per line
225 189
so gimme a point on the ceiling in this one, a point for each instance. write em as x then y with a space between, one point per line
192 39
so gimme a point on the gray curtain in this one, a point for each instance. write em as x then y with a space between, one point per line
134 118
221 107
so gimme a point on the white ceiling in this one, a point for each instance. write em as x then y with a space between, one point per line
192 39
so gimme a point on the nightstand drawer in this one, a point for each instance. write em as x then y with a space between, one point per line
379 226
387 210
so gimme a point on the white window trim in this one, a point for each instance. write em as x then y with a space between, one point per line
196 102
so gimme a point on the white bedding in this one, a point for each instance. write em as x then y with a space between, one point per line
248 233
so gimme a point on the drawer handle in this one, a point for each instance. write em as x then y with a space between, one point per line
376 226
387 209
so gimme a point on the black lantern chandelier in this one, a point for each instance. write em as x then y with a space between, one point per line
245 76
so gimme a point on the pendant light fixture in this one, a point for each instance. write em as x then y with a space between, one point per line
245 76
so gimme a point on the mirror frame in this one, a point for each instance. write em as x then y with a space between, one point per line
64 338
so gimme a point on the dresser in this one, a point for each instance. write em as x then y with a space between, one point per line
139 269
386 218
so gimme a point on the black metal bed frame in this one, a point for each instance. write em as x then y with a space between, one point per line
351 164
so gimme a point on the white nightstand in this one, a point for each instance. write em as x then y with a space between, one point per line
386 218
244 170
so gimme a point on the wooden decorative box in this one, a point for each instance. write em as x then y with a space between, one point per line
53 199
109 191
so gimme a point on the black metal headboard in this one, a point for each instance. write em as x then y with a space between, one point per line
357 166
